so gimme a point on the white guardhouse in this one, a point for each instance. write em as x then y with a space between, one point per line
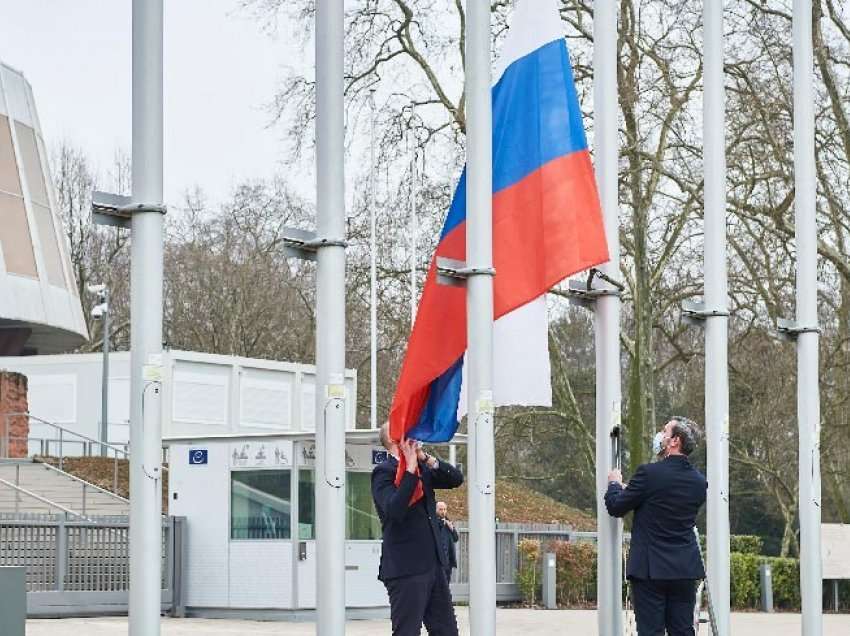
250 509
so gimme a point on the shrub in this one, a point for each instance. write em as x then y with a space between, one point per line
786 582
746 544
744 579
528 573
576 572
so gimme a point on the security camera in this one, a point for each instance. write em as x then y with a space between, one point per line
96 289
98 311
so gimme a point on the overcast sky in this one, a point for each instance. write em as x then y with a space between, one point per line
220 74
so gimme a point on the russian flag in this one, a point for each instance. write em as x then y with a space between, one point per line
547 225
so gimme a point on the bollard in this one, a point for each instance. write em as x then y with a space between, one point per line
766 587
549 599
13 601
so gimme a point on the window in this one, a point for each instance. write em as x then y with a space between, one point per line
49 244
259 504
306 505
10 182
361 519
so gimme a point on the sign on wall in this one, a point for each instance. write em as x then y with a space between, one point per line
198 456
356 456
261 454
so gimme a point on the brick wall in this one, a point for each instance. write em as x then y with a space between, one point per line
13 399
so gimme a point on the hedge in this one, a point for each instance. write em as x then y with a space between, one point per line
576 575
746 582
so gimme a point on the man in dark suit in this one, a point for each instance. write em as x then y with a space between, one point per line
412 563
448 537
664 559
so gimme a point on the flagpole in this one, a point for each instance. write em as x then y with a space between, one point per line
715 313
806 329
479 257
414 192
146 260
607 317
330 322
373 277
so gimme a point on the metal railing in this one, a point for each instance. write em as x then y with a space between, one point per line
63 439
81 566
508 556
51 506
66 439
88 487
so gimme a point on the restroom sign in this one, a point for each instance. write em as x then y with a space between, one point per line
197 456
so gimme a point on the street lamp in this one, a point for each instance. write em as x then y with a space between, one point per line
101 312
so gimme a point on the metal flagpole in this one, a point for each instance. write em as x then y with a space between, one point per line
414 192
807 333
373 278
607 315
146 314
716 314
104 387
330 322
479 254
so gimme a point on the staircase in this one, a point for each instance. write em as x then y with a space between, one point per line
31 487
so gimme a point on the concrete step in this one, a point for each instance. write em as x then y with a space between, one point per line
57 487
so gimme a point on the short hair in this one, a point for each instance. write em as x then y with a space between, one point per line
687 431
384 436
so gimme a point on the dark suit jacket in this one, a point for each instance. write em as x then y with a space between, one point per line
448 538
411 538
666 497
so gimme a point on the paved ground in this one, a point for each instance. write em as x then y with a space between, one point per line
509 621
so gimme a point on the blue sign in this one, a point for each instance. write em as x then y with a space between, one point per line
378 456
197 456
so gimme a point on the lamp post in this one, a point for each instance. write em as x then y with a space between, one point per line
101 312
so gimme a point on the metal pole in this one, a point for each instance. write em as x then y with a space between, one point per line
716 319
104 389
330 322
609 584
414 192
808 397
479 251
373 278
146 315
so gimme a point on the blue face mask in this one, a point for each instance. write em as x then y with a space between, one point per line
658 443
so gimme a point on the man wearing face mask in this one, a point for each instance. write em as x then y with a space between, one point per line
664 560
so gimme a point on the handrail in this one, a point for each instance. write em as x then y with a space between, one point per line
115 449
44 500
84 439
85 483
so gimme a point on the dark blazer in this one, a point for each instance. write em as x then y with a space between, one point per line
666 497
448 538
411 538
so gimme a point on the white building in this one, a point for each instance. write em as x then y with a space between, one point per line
39 304
239 435
203 394
249 502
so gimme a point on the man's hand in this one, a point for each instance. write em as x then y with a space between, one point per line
448 524
615 476
410 452
422 456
